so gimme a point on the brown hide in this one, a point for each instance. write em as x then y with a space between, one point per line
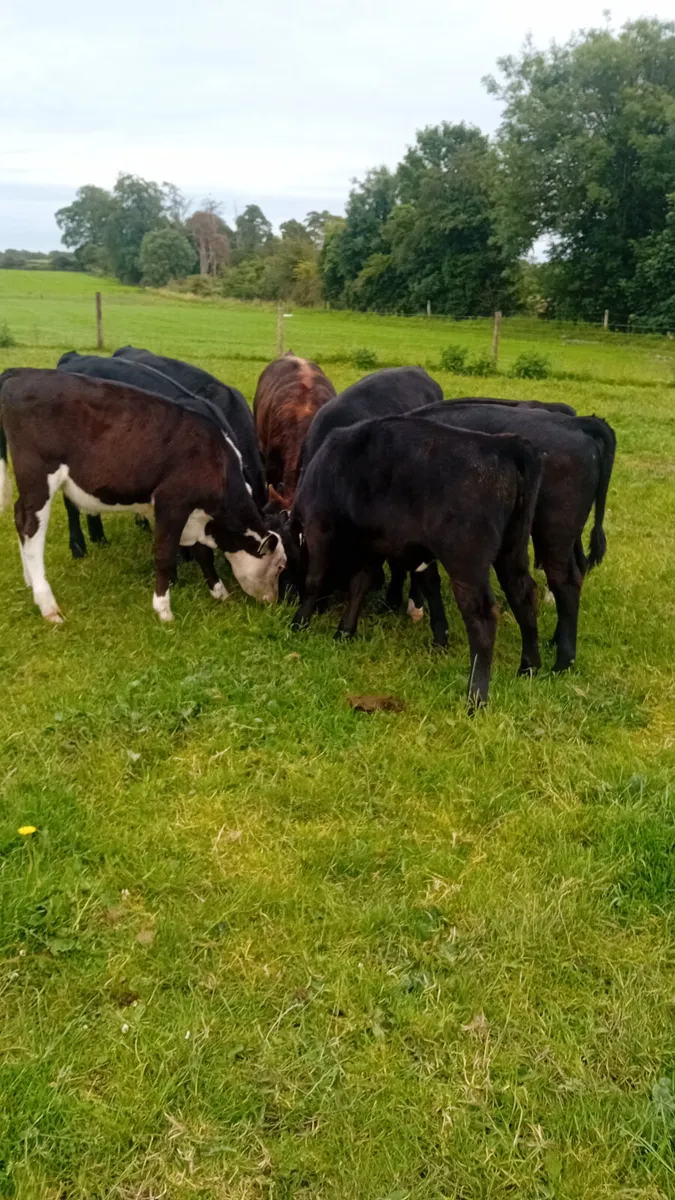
290 392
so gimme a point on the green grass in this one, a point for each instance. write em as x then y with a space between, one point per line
417 955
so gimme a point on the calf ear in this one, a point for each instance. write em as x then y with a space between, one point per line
277 498
269 544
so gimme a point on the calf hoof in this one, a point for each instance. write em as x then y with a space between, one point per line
78 551
475 702
559 667
55 617
299 623
219 591
528 669
342 635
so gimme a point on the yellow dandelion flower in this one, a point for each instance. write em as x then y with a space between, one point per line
26 829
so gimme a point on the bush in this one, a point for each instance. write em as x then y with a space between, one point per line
481 366
7 339
166 254
453 359
364 359
531 366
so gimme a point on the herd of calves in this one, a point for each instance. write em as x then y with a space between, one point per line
312 492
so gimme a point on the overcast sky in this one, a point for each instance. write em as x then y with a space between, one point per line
277 103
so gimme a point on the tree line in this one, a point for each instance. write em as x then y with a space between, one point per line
583 163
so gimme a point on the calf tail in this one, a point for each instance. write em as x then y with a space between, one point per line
605 439
530 465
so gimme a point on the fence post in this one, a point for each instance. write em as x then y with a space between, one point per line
428 308
99 322
495 337
606 320
280 329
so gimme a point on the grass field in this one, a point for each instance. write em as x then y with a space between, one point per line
263 947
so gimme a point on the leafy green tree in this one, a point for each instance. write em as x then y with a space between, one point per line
13 260
166 254
443 235
587 145
137 208
294 231
253 233
316 223
652 291
84 223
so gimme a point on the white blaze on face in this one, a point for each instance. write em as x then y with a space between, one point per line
259 577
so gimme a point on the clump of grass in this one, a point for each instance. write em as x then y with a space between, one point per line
364 358
531 366
7 339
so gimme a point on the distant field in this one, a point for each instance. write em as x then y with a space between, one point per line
55 311
261 947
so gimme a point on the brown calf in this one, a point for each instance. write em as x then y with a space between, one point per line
289 393
111 447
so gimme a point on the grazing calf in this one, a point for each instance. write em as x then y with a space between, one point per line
409 489
197 384
578 455
381 394
290 392
110 447
150 379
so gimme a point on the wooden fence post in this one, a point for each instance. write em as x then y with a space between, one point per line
99 322
428 308
495 337
606 320
280 329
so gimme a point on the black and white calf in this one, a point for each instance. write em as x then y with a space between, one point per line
130 451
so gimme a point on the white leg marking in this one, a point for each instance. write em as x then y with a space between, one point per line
162 606
5 485
415 614
219 592
33 555
26 577
422 567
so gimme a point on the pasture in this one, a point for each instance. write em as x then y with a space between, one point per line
261 946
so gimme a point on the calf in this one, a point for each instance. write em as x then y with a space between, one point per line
578 455
383 393
290 392
151 379
110 447
409 489
198 384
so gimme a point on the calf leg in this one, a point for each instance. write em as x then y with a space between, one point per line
393 599
204 556
169 525
565 583
359 583
416 596
96 534
32 530
429 584
476 603
318 543
78 546
521 592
